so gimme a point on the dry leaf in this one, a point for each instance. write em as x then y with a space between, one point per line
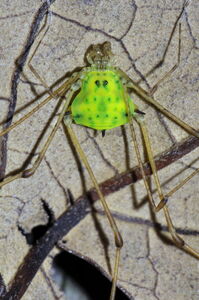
139 32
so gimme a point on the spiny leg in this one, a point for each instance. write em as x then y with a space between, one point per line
117 236
31 171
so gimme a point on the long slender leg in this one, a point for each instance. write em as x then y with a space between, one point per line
147 96
183 182
31 67
160 63
155 87
152 202
31 171
59 93
53 94
176 238
118 238
33 70
163 199
143 94
153 166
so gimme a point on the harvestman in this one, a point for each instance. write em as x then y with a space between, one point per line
102 102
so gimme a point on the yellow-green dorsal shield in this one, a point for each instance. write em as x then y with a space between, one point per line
102 101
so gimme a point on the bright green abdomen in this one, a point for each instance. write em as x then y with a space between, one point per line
101 102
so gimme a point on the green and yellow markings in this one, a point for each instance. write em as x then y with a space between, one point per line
102 101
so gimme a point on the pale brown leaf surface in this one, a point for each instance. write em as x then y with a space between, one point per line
139 32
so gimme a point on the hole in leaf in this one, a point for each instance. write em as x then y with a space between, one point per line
79 279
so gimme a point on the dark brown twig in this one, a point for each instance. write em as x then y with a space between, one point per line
78 211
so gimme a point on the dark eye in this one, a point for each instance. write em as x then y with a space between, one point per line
97 82
105 82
